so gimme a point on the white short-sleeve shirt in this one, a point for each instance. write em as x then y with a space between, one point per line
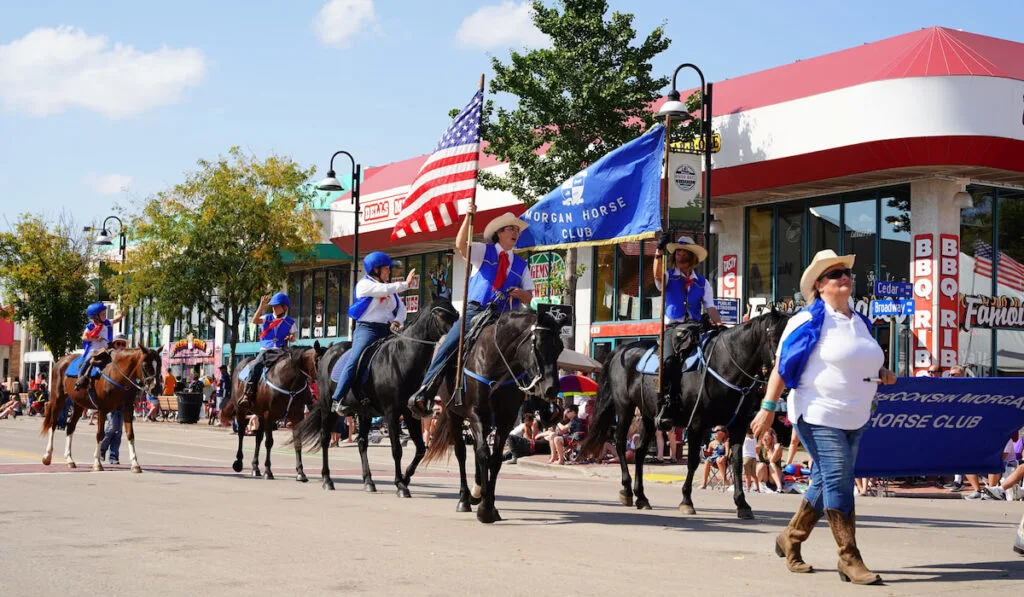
832 390
709 296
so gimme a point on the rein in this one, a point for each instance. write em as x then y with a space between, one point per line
128 378
409 338
513 378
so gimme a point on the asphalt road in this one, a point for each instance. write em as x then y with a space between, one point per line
189 525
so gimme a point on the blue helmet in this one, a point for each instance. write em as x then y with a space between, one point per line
375 260
280 299
95 309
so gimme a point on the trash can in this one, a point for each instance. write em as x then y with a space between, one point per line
190 406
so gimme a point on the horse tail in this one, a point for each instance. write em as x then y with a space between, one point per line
55 413
445 436
604 418
306 434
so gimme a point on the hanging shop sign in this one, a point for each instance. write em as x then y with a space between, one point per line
546 268
982 311
730 266
190 351
684 178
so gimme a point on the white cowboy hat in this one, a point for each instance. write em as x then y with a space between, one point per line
505 219
821 262
687 243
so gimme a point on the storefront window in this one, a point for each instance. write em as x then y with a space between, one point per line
823 218
332 305
789 261
604 283
650 308
976 283
894 255
859 236
305 317
628 257
759 253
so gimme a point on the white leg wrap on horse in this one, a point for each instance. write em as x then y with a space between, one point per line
67 448
477 492
131 453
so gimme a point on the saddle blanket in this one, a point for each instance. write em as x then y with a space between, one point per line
649 363
363 373
75 368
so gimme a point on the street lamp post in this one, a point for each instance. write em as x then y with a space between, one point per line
331 184
104 240
677 110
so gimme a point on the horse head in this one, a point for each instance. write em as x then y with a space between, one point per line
539 356
441 317
307 359
147 367
769 327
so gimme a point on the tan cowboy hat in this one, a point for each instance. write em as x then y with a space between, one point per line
687 243
505 219
821 262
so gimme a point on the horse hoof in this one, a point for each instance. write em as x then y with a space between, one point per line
268 476
403 493
745 514
643 504
97 467
463 506
687 510
136 469
236 466
369 488
72 465
302 478
487 516
626 499
327 484
256 473
475 500
46 460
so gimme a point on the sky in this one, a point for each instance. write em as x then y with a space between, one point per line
105 103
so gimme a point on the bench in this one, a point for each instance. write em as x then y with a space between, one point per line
168 406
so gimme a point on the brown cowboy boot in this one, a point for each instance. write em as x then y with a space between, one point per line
851 566
248 394
787 544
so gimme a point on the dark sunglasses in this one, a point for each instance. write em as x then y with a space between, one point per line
837 273
938 372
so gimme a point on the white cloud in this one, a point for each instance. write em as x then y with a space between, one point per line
501 26
108 184
340 20
51 70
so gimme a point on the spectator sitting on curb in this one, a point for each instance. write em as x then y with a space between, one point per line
719 458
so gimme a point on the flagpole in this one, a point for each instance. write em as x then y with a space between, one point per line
665 258
457 393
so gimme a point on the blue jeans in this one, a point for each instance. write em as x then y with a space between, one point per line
834 452
450 344
112 439
364 335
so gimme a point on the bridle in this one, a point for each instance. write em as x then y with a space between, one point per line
408 338
145 381
529 334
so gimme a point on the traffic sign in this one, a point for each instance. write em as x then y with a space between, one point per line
890 307
728 310
900 290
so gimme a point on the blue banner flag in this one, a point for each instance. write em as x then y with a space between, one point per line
939 426
616 199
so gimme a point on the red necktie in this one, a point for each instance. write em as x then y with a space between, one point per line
687 282
499 279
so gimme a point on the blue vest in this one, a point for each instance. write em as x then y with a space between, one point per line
680 303
356 310
801 341
108 331
276 338
481 286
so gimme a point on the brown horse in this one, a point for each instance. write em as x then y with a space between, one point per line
283 392
130 371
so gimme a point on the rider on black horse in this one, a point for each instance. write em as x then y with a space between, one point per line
688 293
377 310
99 332
496 269
275 335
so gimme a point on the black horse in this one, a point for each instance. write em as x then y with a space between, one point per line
736 354
515 357
395 372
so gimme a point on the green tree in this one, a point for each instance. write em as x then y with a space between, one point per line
44 270
588 93
215 241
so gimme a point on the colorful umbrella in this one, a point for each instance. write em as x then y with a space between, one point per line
573 385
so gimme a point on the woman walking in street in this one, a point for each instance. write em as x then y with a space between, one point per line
832 365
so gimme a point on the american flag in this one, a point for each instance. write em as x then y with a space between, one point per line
1011 272
449 174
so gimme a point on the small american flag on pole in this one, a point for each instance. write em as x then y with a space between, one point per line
448 175
1011 272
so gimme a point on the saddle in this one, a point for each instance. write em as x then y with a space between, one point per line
649 363
269 361
363 366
